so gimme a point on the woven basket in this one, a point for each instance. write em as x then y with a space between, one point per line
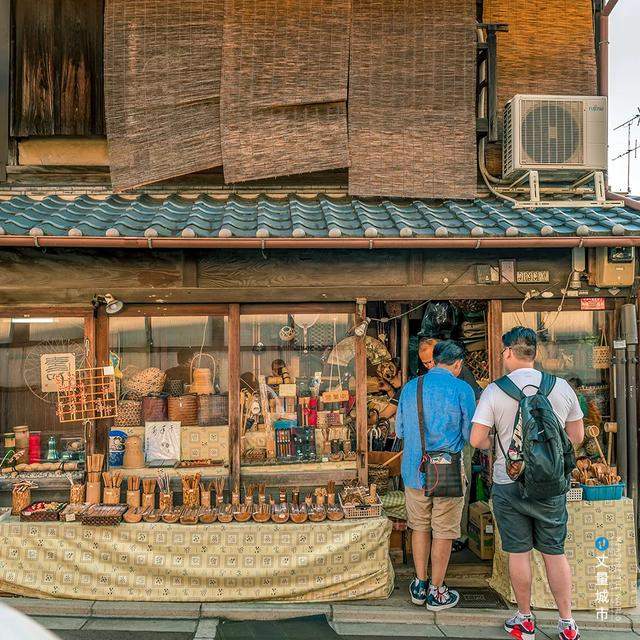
379 476
184 409
601 355
213 410
154 409
174 387
129 413
143 383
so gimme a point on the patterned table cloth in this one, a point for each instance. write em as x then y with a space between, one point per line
312 562
601 579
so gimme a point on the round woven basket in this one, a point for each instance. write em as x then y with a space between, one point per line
184 409
174 387
143 383
379 476
154 409
129 413
213 410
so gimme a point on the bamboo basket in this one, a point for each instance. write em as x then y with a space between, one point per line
129 413
143 383
183 409
379 475
601 355
154 409
213 410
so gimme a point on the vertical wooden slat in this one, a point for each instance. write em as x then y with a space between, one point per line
234 391
5 62
90 350
100 436
361 401
494 325
404 346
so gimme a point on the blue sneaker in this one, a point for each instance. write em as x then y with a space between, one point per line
418 591
440 598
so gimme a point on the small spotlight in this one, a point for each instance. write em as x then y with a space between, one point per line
361 329
112 306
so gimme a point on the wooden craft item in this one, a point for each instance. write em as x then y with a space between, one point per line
134 514
183 409
133 499
335 395
89 395
133 454
149 500
165 500
593 432
154 409
42 466
202 377
93 493
111 495
610 428
20 497
77 493
287 391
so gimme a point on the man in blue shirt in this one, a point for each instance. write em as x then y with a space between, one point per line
449 404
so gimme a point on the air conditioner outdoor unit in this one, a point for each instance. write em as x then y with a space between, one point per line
559 134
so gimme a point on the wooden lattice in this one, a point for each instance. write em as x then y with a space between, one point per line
478 363
90 394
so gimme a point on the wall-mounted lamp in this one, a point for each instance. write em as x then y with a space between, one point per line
112 306
361 329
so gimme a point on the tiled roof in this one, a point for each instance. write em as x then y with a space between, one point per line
294 216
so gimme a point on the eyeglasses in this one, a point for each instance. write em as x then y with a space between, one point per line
502 352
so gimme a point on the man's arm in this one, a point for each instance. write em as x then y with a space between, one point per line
480 436
575 430
467 408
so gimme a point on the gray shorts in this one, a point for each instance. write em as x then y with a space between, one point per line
529 524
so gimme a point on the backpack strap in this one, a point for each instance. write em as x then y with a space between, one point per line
421 415
508 386
547 384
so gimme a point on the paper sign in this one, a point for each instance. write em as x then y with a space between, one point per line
56 370
592 304
335 395
287 390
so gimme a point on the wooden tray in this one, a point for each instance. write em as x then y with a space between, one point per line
94 517
49 515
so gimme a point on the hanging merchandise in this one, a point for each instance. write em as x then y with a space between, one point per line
287 333
601 354
201 377
305 321
335 392
441 320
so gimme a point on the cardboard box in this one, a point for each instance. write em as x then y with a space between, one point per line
480 530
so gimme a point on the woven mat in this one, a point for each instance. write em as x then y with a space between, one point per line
162 88
412 98
284 87
553 41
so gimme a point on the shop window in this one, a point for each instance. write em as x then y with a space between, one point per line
297 388
173 369
28 396
569 346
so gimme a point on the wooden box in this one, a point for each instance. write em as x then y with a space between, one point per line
200 443
480 530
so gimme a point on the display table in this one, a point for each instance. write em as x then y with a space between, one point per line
309 562
588 521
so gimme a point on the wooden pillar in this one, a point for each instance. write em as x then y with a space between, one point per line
234 392
404 345
494 335
361 400
90 352
5 63
99 435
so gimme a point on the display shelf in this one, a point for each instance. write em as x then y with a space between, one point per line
299 474
172 472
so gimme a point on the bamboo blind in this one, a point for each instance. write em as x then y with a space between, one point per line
162 86
284 87
412 98
549 49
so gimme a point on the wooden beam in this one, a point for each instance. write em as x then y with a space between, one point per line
234 391
5 66
362 441
494 335
404 346
189 269
100 433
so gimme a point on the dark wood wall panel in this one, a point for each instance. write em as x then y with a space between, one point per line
412 98
284 87
162 79
58 81
549 49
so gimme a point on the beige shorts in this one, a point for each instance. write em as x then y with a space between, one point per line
442 516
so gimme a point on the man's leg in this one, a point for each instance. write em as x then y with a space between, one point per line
559 578
440 554
420 547
520 575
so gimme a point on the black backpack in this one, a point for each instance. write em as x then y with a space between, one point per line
547 456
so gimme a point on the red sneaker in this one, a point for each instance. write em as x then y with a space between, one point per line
521 628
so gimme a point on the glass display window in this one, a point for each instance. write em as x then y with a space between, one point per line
34 353
173 373
297 388
575 345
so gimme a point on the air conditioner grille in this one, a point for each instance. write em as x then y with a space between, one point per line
507 142
551 132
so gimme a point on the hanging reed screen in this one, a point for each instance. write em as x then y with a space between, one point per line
284 87
412 98
162 88
549 49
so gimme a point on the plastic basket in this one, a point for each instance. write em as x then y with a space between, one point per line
602 492
574 494
362 510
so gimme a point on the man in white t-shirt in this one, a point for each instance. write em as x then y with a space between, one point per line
524 523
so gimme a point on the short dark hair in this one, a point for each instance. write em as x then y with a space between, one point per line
522 341
447 352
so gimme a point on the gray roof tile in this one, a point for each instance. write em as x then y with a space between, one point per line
322 216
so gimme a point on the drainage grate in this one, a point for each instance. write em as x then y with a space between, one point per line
480 599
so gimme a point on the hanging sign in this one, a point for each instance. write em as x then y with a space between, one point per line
592 304
56 370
